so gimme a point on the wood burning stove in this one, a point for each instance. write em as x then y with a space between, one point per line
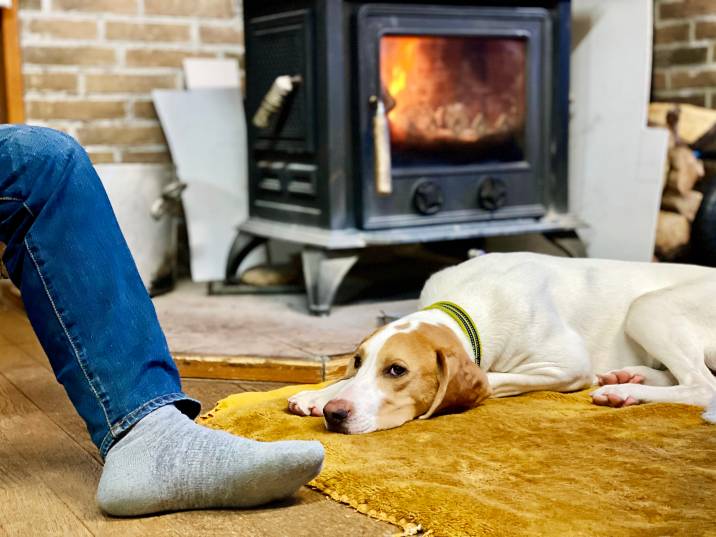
382 123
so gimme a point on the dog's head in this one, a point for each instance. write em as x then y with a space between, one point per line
403 371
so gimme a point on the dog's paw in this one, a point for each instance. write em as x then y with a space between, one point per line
620 376
308 403
614 395
710 412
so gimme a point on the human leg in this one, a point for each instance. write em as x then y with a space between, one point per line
94 319
80 286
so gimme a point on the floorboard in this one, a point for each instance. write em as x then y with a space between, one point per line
39 385
29 505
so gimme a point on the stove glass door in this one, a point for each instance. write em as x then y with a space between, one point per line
454 100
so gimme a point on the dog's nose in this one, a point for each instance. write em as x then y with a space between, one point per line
337 411
337 416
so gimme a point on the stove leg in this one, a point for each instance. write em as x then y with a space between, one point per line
323 272
243 245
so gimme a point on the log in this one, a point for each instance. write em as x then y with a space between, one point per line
272 275
694 121
685 204
667 167
686 170
709 167
673 232
681 158
682 181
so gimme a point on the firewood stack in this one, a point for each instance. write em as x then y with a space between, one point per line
680 201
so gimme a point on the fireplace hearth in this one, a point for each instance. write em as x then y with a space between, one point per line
382 123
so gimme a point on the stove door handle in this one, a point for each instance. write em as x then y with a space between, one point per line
381 150
274 99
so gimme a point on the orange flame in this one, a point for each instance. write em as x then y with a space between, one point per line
397 54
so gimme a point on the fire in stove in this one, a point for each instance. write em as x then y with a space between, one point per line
455 95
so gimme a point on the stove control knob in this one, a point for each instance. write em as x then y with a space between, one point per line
492 194
428 197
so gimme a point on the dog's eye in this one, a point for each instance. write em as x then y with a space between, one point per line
396 370
357 362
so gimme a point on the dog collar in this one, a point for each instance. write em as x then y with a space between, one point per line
466 324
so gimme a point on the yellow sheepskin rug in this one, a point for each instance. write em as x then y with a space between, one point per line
544 464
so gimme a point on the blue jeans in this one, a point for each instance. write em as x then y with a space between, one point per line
81 288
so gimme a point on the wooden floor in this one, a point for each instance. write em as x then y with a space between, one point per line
49 468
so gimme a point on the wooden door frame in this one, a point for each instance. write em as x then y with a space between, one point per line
12 108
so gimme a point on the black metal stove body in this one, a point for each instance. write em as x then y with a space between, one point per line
314 163
375 123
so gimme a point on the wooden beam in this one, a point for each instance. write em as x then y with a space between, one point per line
12 108
336 366
256 368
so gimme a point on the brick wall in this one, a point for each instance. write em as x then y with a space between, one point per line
90 65
685 51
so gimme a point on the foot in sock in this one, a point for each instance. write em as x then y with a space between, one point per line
166 462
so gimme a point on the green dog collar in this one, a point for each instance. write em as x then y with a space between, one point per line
466 325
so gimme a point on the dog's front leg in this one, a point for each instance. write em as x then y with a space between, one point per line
548 377
311 402
560 363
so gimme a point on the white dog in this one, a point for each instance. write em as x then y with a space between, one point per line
506 324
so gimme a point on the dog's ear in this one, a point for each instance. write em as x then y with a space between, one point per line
462 384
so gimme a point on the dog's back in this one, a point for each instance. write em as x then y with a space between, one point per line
592 296
569 280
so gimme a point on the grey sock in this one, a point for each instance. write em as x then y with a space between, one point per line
166 462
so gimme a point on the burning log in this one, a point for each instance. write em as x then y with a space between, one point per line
450 124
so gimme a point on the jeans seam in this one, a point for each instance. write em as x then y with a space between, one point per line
67 334
127 421
24 204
